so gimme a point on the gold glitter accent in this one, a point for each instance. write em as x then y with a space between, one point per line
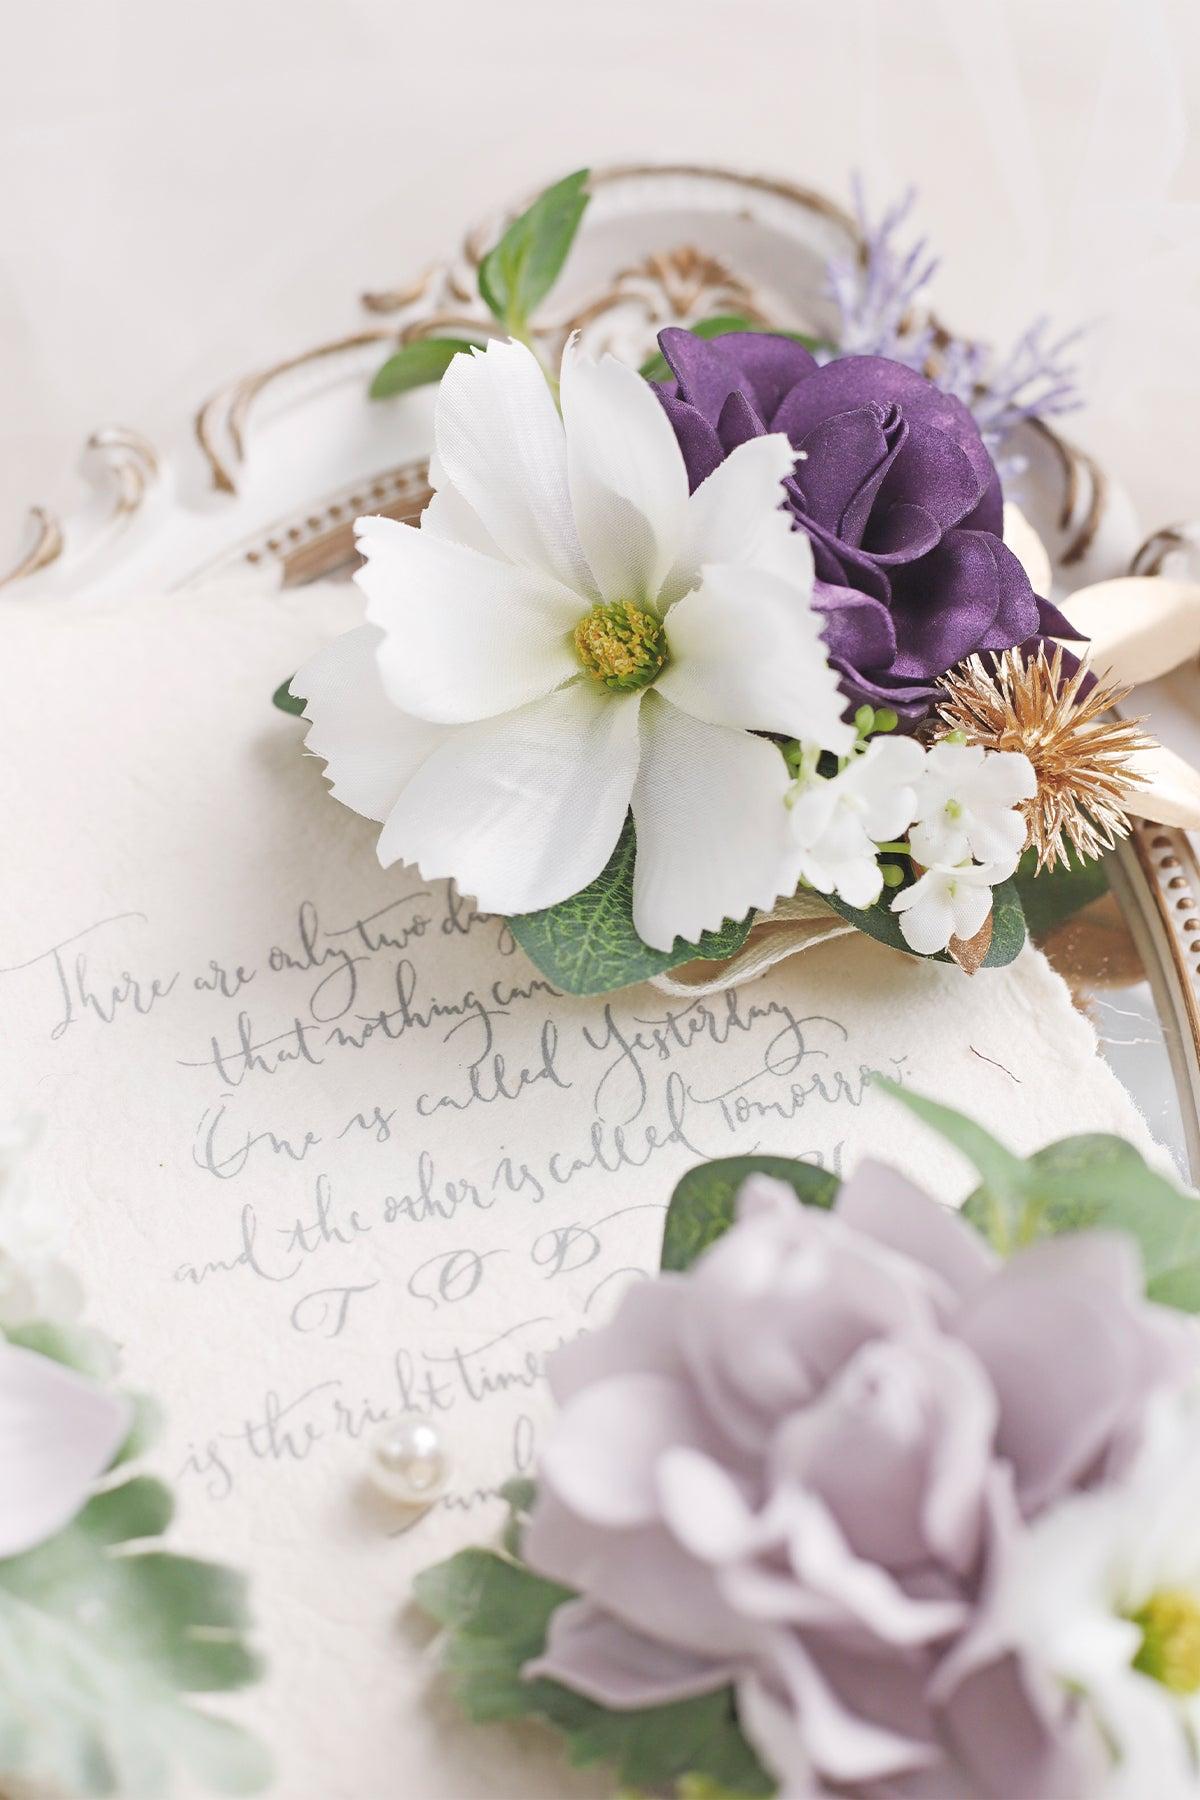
621 645
1170 1648
1079 757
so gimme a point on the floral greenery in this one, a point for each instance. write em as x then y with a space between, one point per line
105 1635
496 1612
587 944
514 278
288 702
701 1208
1008 925
415 365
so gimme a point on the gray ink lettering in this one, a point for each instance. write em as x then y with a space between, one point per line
80 995
225 1158
327 1309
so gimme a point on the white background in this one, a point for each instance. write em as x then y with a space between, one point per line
190 191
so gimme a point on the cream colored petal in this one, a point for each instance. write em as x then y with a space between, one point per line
526 809
58 1433
711 825
465 636
746 651
369 747
1139 626
628 481
1028 549
500 443
1171 795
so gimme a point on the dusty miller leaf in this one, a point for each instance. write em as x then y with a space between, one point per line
587 944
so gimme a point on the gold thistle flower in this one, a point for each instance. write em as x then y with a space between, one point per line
1081 759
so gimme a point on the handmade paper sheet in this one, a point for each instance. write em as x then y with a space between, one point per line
325 1145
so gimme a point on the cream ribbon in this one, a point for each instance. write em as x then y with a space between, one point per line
791 926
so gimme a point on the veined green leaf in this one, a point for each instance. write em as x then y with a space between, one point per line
587 944
103 1636
416 365
497 1612
701 1208
516 276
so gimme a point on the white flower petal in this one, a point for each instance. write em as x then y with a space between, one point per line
500 442
523 810
369 747
734 516
711 822
884 778
970 905
627 476
926 916
465 635
746 651
58 1432
448 516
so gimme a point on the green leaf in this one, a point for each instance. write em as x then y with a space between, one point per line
516 276
587 945
656 368
1102 1182
288 702
102 1639
1002 1200
1080 1183
701 1207
880 922
415 365
1056 894
497 1612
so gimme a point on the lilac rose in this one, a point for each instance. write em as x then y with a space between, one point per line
797 1468
897 492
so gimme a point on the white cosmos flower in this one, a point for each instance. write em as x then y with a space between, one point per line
966 805
569 634
947 901
1103 1591
837 823
58 1432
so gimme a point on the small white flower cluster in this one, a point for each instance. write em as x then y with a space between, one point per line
958 803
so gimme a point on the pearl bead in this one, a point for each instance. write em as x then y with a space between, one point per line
409 1462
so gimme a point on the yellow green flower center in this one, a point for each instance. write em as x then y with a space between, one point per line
621 645
1170 1648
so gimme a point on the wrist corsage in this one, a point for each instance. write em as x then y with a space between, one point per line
747 635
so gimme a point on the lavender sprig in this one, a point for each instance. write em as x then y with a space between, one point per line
881 298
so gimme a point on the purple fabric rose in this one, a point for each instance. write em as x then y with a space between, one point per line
896 490
797 1467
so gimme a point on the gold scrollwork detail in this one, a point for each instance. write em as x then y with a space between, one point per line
129 460
228 410
47 547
